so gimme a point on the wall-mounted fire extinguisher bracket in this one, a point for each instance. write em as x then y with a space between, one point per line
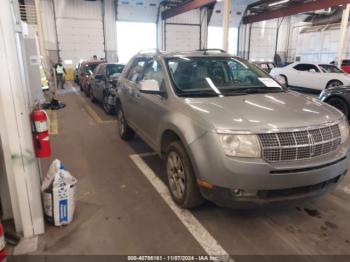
41 133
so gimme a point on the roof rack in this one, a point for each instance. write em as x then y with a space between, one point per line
149 50
211 50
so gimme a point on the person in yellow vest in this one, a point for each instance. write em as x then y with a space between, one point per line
60 72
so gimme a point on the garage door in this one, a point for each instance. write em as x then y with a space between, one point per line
182 32
182 37
79 29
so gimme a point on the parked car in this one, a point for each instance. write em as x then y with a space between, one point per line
339 97
104 85
234 140
310 77
266 66
345 66
86 71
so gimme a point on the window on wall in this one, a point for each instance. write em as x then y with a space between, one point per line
133 37
215 38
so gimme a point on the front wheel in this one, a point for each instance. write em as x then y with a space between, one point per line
181 179
282 80
125 132
339 104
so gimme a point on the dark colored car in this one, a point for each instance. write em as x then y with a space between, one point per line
103 85
76 73
266 66
339 97
345 65
85 72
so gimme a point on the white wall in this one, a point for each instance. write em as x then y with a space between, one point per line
320 44
15 130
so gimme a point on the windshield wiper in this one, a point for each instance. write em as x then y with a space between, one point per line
252 90
198 94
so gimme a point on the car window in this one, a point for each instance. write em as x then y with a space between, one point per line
330 69
346 63
218 75
136 71
307 67
153 70
114 70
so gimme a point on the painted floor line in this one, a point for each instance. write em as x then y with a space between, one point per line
91 111
53 122
203 237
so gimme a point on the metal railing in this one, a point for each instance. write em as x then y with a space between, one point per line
28 13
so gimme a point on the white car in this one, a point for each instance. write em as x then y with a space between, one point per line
310 76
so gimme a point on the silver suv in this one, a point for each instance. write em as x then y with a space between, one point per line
228 132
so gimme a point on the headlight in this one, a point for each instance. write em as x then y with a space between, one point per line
240 145
344 130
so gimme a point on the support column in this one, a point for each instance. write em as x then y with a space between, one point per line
21 166
110 30
40 28
226 24
343 29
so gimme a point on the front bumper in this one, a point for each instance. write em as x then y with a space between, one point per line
265 182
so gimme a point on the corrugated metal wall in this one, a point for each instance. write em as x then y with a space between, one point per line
183 32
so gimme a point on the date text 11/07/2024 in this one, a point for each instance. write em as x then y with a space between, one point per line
180 258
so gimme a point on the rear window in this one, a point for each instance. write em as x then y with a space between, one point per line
89 68
114 70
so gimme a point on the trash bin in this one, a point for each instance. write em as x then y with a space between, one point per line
58 192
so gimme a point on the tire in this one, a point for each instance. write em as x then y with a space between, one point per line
334 83
181 179
107 107
92 97
125 132
339 104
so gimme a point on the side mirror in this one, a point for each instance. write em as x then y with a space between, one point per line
150 87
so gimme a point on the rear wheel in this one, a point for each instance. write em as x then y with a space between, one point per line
181 179
334 83
339 104
106 106
92 97
125 132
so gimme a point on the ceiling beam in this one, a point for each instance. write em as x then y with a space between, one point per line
293 10
188 6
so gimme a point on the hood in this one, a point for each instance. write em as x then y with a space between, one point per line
263 112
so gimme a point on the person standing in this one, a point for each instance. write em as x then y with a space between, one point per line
60 72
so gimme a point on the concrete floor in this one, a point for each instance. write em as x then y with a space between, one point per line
119 212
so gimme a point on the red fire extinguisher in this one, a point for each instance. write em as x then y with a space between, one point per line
41 134
2 244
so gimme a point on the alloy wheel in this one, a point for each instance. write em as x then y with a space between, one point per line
176 174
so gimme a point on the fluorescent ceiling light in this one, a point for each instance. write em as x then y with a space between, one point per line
279 2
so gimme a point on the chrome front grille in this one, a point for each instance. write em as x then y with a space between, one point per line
298 145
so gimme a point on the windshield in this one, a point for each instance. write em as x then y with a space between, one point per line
114 70
330 69
89 68
214 76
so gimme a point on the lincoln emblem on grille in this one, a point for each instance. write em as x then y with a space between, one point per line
312 144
